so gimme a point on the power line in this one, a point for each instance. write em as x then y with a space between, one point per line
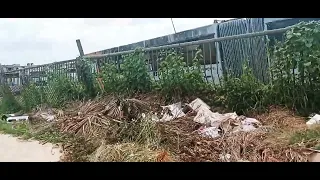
173 26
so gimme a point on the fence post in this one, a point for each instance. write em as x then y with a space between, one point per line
81 55
80 48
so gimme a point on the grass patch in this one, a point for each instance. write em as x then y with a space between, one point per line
75 149
15 129
25 131
307 136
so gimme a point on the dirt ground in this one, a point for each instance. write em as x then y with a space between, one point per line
13 149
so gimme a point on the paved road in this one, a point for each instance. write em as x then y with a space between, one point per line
13 149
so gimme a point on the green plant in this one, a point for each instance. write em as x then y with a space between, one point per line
243 94
32 96
177 79
296 68
132 76
112 79
85 76
143 131
135 72
61 89
8 102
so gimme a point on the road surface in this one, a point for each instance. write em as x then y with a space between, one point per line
13 149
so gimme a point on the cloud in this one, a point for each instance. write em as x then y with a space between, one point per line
47 40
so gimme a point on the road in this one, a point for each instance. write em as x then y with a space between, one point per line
13 149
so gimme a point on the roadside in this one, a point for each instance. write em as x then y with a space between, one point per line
13 149
89 132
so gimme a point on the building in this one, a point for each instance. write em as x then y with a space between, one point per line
10 74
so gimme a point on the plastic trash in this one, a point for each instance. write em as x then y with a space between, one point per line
47 117
17 118
198 104
212 132
175 112
313 120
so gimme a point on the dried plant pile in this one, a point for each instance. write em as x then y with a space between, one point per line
282 119
128 152
182 139
102 117
77 150
142 131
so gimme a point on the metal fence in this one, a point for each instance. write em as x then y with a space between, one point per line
220 55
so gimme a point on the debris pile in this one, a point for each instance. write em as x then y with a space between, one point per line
102 117
134 130
213 124
226 137
128 152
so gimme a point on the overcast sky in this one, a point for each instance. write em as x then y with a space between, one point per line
47 40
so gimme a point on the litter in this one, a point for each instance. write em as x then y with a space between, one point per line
314 120
212 120
198 104
47 117
171 112
17 118
212 132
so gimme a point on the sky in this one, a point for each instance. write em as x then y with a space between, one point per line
43 40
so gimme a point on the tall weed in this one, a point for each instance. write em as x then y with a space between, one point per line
32 96
132 76
243 94
179 80
296 68
8 103
62 89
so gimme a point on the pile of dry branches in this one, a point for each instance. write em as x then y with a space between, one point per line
128 152
180 137
127 122
101 117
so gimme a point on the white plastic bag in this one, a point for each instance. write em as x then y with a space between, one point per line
314 120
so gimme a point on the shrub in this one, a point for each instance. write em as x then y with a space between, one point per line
86 77
243 94
179 80
135 72
61 89
112 79
8 102
132 76
32 96
296 68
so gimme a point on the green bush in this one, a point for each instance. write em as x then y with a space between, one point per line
113 80
135 72
132 76
61 89
243 94
296 68
32 96
86 77
179 80
8 103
